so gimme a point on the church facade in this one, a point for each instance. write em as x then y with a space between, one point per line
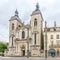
26 39
31 39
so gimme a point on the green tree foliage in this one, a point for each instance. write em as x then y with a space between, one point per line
3 46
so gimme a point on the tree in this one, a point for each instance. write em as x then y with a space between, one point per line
3 46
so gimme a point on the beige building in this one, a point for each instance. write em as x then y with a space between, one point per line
30 39
52 40
26 40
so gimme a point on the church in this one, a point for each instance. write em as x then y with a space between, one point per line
31 39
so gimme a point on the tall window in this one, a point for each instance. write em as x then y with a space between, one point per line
23 34
12 26
12 41
57 36
51 36
19 26
35 22
35 38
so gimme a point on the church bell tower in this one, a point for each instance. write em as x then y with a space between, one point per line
14 22
36 29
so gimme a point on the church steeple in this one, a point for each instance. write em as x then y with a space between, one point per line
16 13
54 23
15 16
37 10
37 6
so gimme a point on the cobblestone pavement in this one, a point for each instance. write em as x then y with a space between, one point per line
25 58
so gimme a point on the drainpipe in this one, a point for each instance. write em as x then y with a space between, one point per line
45 39
28 44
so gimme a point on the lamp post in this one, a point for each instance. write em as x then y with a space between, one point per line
28 44
45 39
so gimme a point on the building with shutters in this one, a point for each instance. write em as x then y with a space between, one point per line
53 40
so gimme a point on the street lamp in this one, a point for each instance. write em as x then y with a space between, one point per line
45 39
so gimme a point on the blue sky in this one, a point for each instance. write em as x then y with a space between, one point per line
49 8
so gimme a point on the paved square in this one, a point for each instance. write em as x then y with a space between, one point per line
24 58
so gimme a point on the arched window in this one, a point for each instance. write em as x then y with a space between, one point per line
52 52
12 26
23 34
19 26
57 36
35 22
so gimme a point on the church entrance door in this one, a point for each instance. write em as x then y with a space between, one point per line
23 52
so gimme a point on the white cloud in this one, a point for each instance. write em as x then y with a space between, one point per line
3 33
